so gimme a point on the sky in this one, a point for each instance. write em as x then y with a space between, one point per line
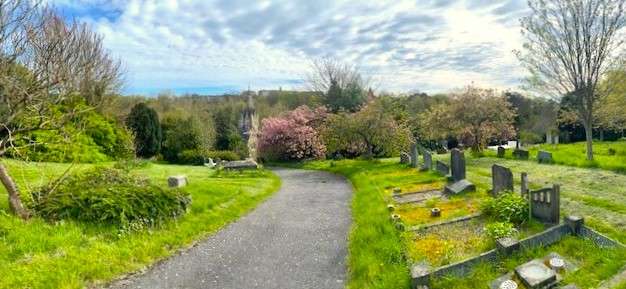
214 47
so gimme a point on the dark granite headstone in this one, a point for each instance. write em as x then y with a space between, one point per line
428 160
544 157
457 164
545 204
501 179
501 152
520 154
442 168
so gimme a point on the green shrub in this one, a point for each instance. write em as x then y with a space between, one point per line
223 155
131 164
497 230
111 197
507 207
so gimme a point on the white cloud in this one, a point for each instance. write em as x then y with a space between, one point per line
405 45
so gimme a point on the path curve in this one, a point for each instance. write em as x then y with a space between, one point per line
295 239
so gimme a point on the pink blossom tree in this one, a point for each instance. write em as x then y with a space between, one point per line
292 136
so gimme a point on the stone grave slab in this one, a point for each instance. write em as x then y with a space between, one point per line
535 274
417 197
459 187
414 155
241 165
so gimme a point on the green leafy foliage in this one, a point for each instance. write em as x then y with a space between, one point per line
88 137
109 196
143 121
198 157
507 207
180 135
497 230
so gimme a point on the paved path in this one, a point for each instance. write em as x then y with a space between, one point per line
296 239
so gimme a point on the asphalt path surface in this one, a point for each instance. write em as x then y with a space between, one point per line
295 239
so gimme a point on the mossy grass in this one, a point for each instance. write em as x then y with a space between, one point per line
595 265
379 255
69 254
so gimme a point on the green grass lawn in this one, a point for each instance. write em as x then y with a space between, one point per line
68 254
607 155
379 254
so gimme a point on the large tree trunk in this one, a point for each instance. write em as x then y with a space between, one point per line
589 138
15 203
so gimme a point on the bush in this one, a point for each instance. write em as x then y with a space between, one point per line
143 121
508 207
182 137
109 196
497 230
292 136
222 155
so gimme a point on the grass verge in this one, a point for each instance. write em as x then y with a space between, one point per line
68 254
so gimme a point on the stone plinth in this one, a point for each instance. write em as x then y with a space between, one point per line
535 274
177 181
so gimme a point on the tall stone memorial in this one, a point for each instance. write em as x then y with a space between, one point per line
428 160
457 164
459 183
414 155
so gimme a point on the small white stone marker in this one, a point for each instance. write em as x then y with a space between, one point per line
508 284
557 263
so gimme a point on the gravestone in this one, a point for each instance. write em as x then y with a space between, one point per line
520 154
428 160
405 158
177 181
501 152
501 179
414 156
535 274
442 168
457 164
524 185
545 204
544 157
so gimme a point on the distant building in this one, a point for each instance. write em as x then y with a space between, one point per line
249 124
